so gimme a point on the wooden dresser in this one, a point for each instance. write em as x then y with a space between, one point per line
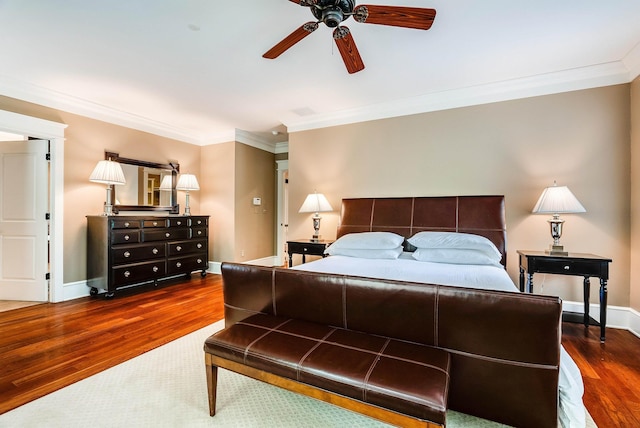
123 251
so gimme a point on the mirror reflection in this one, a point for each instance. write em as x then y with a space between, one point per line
143 187
149 186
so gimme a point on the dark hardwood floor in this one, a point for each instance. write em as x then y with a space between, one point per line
49 346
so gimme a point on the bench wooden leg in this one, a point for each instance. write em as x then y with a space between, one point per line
212 382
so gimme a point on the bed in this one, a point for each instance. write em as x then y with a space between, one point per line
364 221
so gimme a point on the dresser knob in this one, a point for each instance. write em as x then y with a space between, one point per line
167 234
567 268
127 274
199 245
127 254
155 269
179 223
178 248
199 261
178 264
126 224
126 237
199 232
155 223
154 251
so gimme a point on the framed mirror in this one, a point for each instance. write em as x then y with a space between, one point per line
150 186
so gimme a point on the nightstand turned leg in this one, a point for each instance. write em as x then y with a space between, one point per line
530 283
603 308
521 279
587 292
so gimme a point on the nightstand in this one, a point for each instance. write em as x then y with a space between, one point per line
576 264
306 247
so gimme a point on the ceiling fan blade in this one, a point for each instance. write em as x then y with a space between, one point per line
291 40
397 16
306 3
348 49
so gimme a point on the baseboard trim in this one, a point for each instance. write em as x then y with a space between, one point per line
617 316
74 290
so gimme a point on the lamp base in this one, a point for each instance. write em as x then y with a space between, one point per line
316 238
556 250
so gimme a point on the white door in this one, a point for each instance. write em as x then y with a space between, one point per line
24 175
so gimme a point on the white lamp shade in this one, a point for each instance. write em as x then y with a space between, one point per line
167 183
558 200
188 182
108 172
314 203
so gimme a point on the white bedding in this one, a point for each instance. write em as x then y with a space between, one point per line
405 268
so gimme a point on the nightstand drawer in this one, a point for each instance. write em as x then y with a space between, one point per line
306 248
568 267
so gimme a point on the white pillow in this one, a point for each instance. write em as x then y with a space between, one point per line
369 241
389 253
458 256
454 240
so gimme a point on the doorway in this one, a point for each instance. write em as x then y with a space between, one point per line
53 132
283 211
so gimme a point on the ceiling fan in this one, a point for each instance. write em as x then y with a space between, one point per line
334 12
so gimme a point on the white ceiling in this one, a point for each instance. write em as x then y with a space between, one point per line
193 69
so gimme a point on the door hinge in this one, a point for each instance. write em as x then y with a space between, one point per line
47 276
47 216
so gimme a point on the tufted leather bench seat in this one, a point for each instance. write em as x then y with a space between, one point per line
382 347
404 377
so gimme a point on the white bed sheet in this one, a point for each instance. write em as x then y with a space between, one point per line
572 413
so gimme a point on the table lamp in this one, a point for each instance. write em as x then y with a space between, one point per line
557 200
315 203
187 182
108 172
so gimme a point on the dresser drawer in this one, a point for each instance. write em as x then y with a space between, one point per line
134 253
155 223
198 221
187 264
568 267
125 224
141 272
178 222
199 232
186 247
125 236
164 234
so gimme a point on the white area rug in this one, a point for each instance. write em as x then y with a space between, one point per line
166 387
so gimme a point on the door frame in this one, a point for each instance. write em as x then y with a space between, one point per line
54 132
281 227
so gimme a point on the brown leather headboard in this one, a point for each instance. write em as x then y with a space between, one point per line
480 215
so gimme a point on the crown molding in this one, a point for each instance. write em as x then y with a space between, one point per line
632 61
607 74
53 99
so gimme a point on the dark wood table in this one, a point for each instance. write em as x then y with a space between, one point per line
576 264
306 247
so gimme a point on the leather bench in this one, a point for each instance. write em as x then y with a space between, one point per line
397 376
396 351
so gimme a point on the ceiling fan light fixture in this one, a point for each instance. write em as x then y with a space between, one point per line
332 17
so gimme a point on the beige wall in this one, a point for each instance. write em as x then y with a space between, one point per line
515 148
635 194
254 225
233 174
217 187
